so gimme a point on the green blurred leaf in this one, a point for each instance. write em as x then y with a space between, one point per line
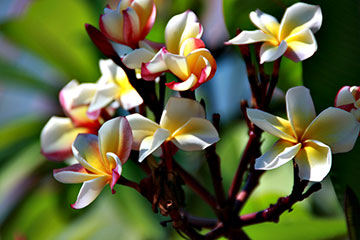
352 211
55 31
15 135
335 64
17 76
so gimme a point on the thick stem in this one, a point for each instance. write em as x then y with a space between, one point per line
196 186
199 222
123 181
213 161
251 152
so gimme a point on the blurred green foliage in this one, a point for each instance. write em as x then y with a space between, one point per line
35 206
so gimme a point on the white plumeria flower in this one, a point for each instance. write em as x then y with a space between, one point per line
112 87
305 137
293 37
128 21
100 160
182 122
59 133
348 98
184 54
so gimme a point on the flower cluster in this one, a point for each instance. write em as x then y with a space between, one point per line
112 119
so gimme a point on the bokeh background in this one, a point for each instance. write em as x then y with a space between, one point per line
44 45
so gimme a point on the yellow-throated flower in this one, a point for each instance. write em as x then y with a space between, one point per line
182 122
100 160
310 140
185 54
293 37
348 98
112 88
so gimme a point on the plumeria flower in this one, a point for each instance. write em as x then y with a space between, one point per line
293 37
60 132
305 137
100 160
185 54
182 122
348 98
112 88
129 21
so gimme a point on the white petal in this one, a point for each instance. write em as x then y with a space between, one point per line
152 143
344 97
300 109
156 65
73 174
279 154
300 15
66 95
179 28
335 128
57 137
276 126
115 136
121 49
130 99
177 65
246 37
314 161
134 59
185 85
269 52
178 111
301 45
196 134
86 151
265 22
141 127
104 96
89 191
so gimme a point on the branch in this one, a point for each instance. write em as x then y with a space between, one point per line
213 161
196 186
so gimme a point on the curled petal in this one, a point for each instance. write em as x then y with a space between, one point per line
134 59
86 151
112 24
73 174
299 16
196 134
301 45
279 154
156 66
183 86
115 137
57 137
335 128
131 27
246 37
180 28
178 111
146 20
177 65
344 97
66 95
269 52
89 191
116 169
276 126
314 161
300 109
190 45
152 143
141 128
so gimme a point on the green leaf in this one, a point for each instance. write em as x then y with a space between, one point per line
336 64
352 211
55 31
